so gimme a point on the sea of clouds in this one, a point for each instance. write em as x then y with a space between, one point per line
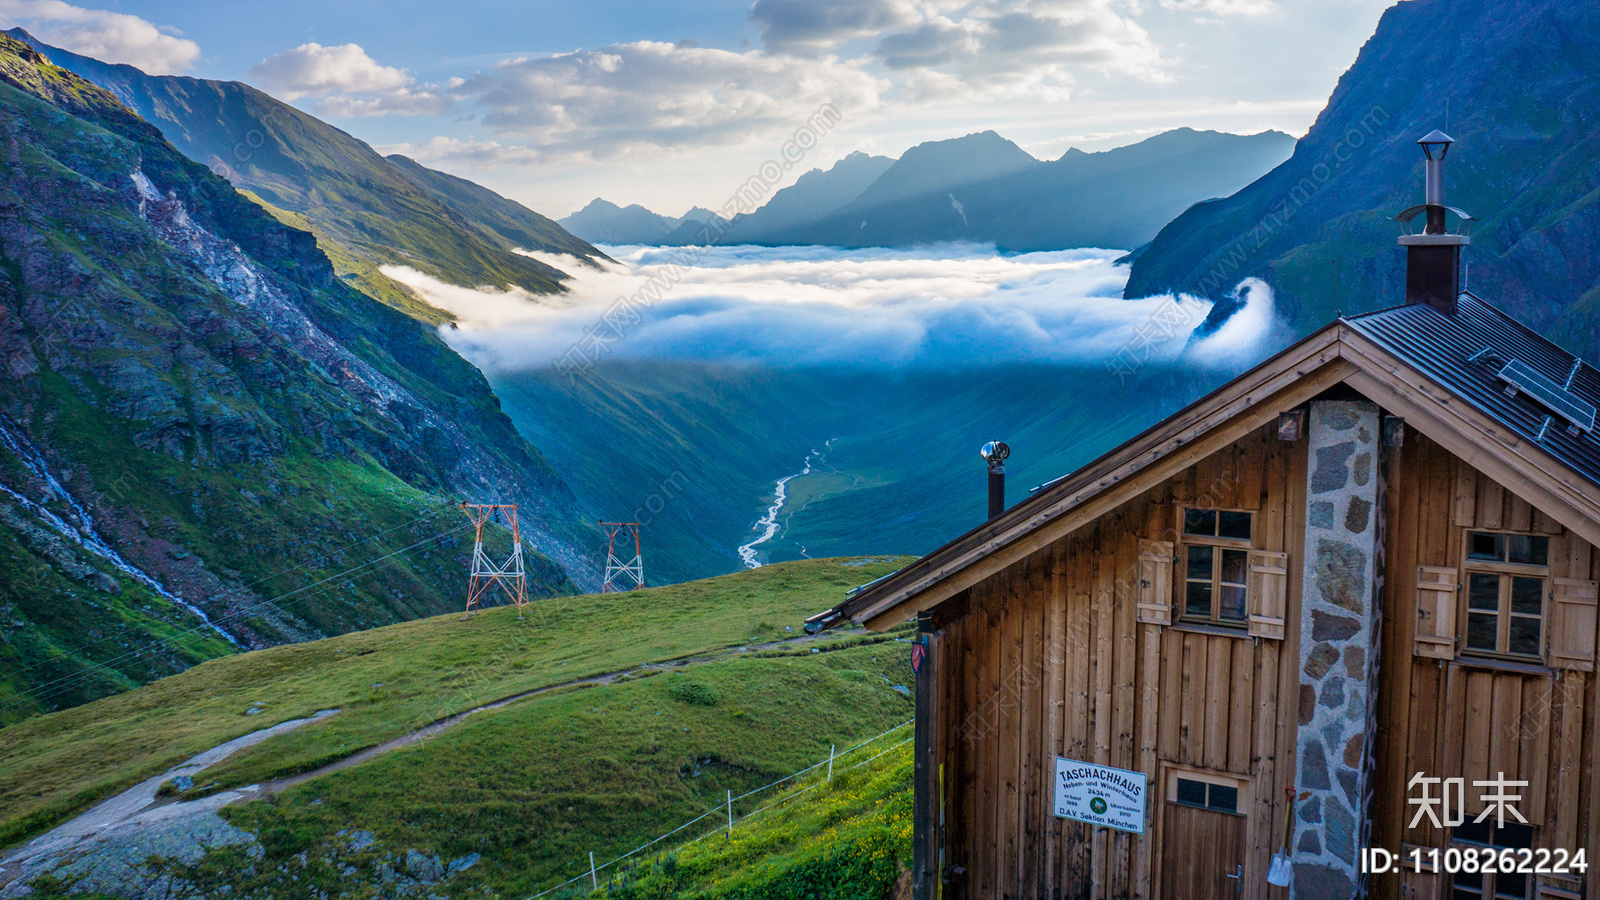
947 306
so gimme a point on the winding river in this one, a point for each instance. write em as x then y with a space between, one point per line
767 526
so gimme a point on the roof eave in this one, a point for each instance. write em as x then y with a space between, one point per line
1334 354
1174 441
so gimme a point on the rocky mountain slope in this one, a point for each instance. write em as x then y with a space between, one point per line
1524 108
199 415
366 210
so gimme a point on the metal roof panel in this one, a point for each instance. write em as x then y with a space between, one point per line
1449 350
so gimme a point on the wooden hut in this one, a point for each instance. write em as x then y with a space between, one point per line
1364 571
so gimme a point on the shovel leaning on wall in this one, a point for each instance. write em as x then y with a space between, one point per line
1280 873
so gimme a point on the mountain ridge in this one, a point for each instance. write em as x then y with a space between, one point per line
366 210
982 188
1318 228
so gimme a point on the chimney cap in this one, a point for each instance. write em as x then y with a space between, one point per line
1433 140
995 452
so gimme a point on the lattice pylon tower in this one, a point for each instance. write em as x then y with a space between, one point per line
616 569
511 576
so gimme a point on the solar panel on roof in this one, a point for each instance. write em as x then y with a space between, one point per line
1547 392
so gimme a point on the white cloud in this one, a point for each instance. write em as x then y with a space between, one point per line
448 151
808 27
107 36
350 82
628 98
1247 335
650 97
1223 7
945 306
1003 48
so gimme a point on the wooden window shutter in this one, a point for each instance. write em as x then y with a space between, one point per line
1572 623
1156 562
1437 596
1269 592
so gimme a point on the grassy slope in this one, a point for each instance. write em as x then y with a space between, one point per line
534 787
844 839
387 681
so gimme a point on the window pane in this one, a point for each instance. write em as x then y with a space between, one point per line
1527 548
1192 793
1483 545
1524 636
1511 885
1232 607
1235 566
1473 832
1481 631
1197 600
1234 525
1469 879
1483 591
1527 595
1200 521
1200 562
1514 835
1224 798
1464 894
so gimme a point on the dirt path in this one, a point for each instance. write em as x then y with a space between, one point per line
442 725
105 844
108 845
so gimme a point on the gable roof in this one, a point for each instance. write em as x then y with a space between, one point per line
1414 361
1450 350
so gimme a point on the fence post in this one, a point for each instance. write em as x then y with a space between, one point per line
730 814
831 748
593 878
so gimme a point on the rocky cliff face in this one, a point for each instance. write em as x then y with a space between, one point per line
197 416
1524 108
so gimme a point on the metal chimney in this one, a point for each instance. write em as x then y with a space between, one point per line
995 453
1433 258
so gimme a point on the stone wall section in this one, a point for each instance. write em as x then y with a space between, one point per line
1338 646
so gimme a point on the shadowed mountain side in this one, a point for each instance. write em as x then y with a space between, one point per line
693 449
1524 108
1115 198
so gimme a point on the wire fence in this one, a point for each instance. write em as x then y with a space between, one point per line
727 806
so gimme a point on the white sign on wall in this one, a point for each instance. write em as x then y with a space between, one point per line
1100 795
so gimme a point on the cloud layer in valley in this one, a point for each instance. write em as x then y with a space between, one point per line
950 306
108 36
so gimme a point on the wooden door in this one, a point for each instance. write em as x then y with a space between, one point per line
1202 853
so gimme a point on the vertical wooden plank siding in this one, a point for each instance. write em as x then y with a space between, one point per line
1051 660
1123 553
1055 702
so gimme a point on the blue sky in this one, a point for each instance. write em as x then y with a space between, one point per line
670 106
